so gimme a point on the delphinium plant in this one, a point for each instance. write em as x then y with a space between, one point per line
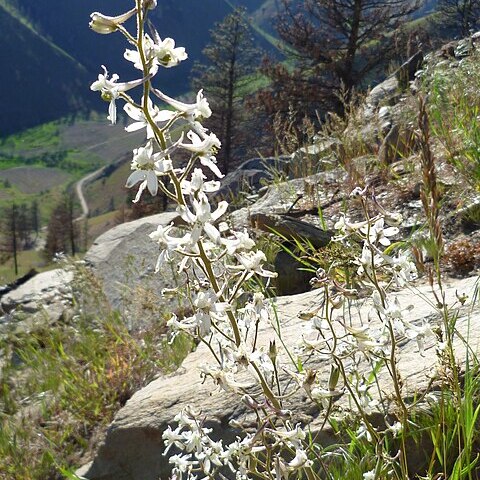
221 264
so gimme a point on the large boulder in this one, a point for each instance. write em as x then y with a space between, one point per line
299 194
250 176
124 259
43 299
42 289
399 143
385 93
292 277
132 449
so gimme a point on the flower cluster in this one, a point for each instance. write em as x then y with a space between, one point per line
218 263
202 454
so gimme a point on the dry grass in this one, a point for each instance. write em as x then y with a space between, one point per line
33 180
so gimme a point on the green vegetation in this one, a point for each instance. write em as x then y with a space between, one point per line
454 106
27 259
42 162
45 146
61 386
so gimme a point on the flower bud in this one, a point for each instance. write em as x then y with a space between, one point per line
150 4
272 351
104 24
334 377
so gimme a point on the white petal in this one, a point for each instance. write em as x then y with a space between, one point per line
212 232
152 183
164 115
134 112
134 178
112 112
212 166
221 209
140 191
135 126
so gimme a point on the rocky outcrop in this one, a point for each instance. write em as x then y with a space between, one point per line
291 229
250 176
297 195
43 299
406 72
132 449
41 290
399 143
124 258
292 275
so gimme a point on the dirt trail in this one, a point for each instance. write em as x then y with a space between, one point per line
79 191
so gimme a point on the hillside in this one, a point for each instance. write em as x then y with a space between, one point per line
50 56
40 81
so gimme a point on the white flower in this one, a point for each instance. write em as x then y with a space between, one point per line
165 52
103 24
263 361
300 460
211 455
370 475
197 184
172 437
377 234
110 90
223 379
205 148
364 432
144 165
191 111
418 333
182 462
242 241
193 440
147 166
345 227
404 270
252 263
157 52
292 437
368 260
203 218
140 122
161 235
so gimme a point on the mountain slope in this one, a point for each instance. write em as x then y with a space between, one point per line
39 81
50 56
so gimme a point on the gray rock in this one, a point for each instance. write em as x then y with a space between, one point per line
385 93
280 197
406 72
469 214
132 449
292 277
40 289
324 152
291 229
398 143
124 258
250 176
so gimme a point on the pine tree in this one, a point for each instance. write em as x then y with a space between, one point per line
10 244
231 57
333 47
35 218
62 230
462 14
24 226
